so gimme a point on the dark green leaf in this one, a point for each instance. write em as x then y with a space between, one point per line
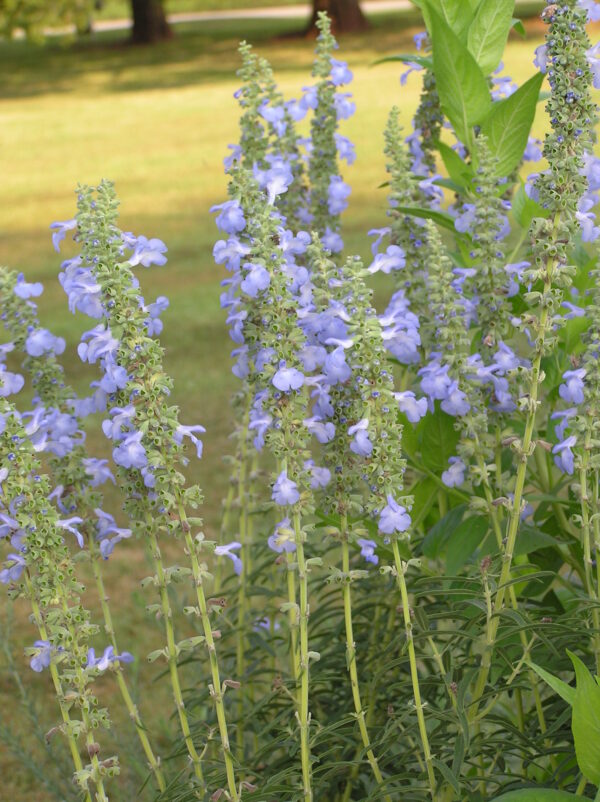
462 86
439 533
441 218
408 58
537 795
586 721
508 125
531 539
488 32
438 439
565 691
460 172
518 26
525 208
464 541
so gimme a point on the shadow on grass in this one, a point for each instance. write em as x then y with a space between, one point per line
199 53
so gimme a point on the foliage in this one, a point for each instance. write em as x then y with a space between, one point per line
407 546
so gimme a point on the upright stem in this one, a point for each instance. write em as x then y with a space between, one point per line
242 500
302 667
216 690
167 615
56 681
513 524
414 672
587 549
351 659
153 761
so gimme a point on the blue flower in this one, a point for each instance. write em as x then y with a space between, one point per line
564 457
130 453
188 431
227 551
592 8
107 659
324 431
282 538
10 383
338 193
68 524
367 550
413 409
572 389
345 148
393 517
14 570
285 491
455 402
59 231
455 474
148 252
340 74
41 342
256 280
41 659
335 367
392 259
24 290
231 220
105 527
361 444
319 477
286 379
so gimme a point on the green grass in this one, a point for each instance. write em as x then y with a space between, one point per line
157 121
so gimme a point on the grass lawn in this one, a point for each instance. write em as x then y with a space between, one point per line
157 121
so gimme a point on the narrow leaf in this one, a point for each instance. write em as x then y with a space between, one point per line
566 692
441 218
460 172
586 721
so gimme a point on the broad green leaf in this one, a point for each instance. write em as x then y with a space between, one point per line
460 172
538 795
586 721
464 541
525 208
508 125
566 692
438 439
408 58
439 533
441 218
532 539
488 32
463 89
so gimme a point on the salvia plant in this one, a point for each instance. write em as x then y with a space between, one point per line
402 601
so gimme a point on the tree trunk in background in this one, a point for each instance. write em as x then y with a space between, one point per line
149 22
346 15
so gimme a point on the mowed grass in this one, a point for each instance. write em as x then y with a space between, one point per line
157 122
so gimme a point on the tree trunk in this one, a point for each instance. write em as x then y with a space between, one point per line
346 15
149 22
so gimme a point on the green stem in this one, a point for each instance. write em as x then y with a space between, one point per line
56 681
587 549
242 501
513 522
217 688
302 667
167 615
414 671
153 761
351 658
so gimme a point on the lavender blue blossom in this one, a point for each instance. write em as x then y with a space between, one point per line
25 290
59 231
393 517
107 659
367 550
282 539
454 476
392 259
228 550
285 491
231 218
563 455
42 342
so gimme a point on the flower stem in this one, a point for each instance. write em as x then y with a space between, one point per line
587 549
414 672
167 615
153 761
351 659
302 666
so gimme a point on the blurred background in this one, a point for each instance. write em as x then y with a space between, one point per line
142 93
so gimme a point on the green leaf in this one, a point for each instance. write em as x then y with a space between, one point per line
565 691
508 125
408 58
463 542
524 208
438 439
460 172
531 539
462 86
439 533
441 218
586 721
518 26
488 32
538 795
